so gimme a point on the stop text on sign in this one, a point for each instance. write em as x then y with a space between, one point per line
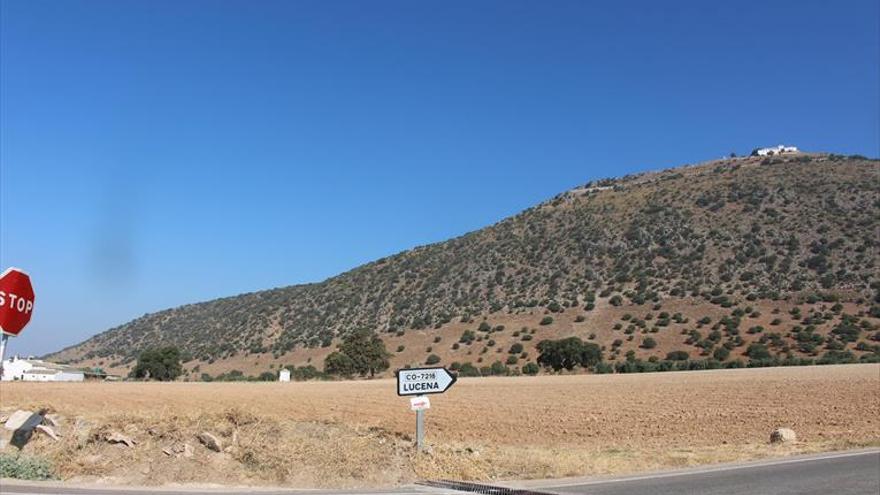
422 381
16 302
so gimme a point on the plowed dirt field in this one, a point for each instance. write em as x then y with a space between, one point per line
483 428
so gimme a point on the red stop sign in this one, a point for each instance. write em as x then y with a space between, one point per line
16 301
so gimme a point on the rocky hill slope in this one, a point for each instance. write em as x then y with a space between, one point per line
614 260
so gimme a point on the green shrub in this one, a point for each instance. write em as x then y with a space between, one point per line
547 320
721 353
432 359
757 351
530 369
568 353
161 364
23 467
603 368
649 343
468 369
498 369
677 356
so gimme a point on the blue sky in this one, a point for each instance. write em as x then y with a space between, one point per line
159 153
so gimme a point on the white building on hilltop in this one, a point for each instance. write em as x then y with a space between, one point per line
284 375
37 370
776 150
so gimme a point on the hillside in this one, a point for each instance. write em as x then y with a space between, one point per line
737 243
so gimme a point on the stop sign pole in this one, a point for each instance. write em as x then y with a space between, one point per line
16 306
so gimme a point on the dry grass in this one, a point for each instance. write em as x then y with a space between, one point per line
351 434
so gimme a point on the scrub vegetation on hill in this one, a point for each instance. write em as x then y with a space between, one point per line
751 259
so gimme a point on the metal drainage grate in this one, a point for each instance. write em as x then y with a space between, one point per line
464 486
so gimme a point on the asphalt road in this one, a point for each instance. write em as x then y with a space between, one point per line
854 473
846 473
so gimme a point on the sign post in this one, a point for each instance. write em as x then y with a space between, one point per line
420 430
3 339
16 306
419 382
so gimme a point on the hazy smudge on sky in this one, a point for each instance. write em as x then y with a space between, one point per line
112 260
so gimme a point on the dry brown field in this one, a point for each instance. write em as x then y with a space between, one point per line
359 433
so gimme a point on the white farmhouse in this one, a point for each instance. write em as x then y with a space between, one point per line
36 370
284 375
776 150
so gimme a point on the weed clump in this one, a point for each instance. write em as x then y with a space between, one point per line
23 467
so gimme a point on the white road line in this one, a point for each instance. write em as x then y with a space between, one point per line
550 486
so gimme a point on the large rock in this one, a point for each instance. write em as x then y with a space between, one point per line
211 441
21 425
783 435
23 421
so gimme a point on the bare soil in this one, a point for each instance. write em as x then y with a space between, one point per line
357 434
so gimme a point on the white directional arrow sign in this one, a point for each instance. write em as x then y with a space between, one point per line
423 381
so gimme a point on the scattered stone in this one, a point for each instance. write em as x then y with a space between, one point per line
48 431
211 441
3 417
83 431
119 438
53 420
783 435
178 449
23 421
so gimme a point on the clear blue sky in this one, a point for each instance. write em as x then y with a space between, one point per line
159 153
